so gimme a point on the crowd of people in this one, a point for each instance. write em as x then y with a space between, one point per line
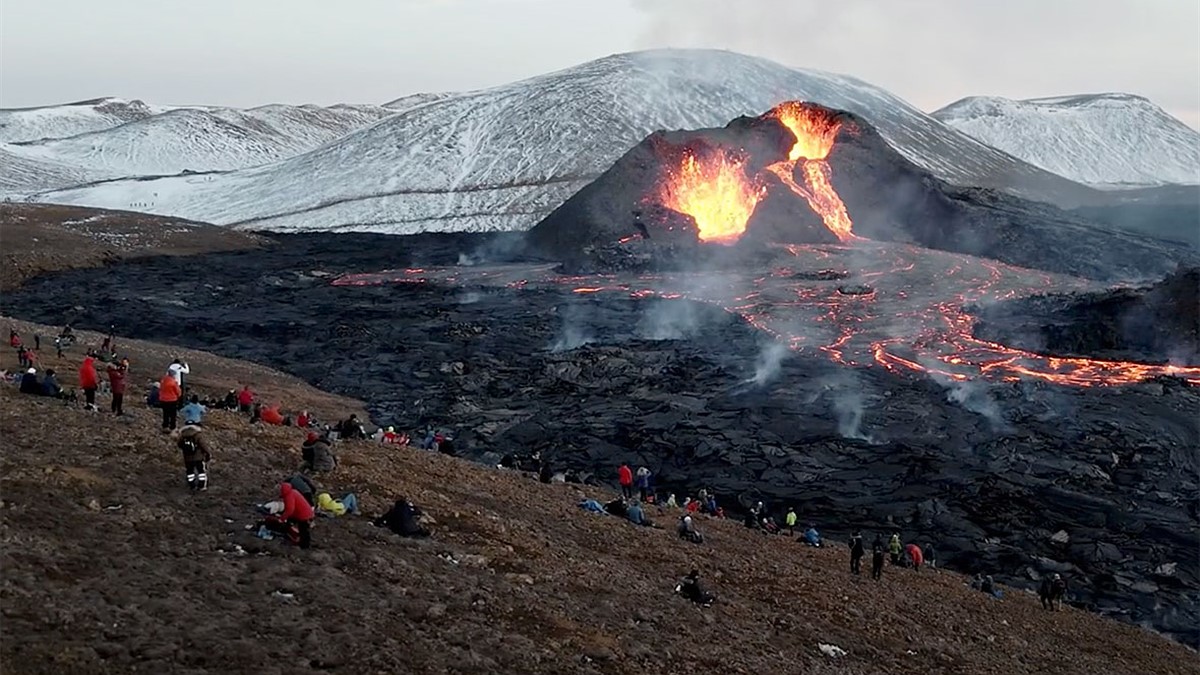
293 514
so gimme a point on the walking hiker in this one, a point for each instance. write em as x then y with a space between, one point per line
169 395
196 454
116 382
625 478
856 552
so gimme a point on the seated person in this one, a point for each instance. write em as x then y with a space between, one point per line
402 519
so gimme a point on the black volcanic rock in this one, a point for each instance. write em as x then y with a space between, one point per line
1153 324
888 197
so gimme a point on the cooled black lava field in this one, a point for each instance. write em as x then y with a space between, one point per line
842 380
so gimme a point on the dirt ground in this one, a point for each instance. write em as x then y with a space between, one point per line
109 565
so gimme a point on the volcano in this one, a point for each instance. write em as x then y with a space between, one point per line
803 173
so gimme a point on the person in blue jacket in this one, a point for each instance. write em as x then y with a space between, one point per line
811 536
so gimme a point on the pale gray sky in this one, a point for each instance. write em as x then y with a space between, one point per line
248 52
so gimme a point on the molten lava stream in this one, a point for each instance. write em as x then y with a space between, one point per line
814 131
715 192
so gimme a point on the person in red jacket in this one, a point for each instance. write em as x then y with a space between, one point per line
89 381
625 477
302 419
295 521
169 395
245 399
915 558
116 381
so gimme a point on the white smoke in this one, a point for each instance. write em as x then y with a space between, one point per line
770 361
575 332
470 298
976 396
669 320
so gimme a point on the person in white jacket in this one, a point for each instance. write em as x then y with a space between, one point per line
177 370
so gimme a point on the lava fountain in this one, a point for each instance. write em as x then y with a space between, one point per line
814 130
714 190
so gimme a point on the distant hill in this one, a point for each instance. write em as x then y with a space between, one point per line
1100 139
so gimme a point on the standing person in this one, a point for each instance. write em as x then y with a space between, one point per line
856 552
877 560
89 381
643 482
625 478
790 520
245 399
912 553
178 369
894 548
930 555
116 381
196 455
37 342
169 395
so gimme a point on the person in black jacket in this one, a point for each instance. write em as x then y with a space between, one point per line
856 552
402 519
30 384
691 589
304 485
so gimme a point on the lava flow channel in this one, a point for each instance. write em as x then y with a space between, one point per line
814 131
714 190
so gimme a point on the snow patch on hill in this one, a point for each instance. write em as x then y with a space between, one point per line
503 158
1100 139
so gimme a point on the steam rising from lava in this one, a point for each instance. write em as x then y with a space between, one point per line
715 191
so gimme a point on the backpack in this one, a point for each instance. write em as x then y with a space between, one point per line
189 446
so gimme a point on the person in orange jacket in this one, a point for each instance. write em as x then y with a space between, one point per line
625 478
89 381
169 395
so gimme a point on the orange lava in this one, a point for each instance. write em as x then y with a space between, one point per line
715 192
814 131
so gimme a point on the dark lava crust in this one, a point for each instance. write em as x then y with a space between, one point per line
1154 324
1017 480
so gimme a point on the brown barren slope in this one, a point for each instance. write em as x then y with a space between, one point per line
109 565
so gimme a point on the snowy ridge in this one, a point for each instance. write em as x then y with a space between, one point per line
503 158
60 121
202 139
1100 139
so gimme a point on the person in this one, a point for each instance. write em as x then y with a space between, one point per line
790 520
690 588
930 555
327 505
50 385
14 339
877 560
177 370
636 516
89 381
352 428
1044 593
710 507
894 548
304 485
390 437
402 519
271 415
295 521
643 482
193 412
912 554
1058 591
231 401
988 585
856 552
317 454
196 454
116 382
687 530
671 503
617 507
812 537
625 478
245 399
29 383
169 395
302 419
27 357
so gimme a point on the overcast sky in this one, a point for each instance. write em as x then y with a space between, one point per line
249 52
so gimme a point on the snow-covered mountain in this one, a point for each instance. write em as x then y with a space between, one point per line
201 139
502 158
70 119
1100 139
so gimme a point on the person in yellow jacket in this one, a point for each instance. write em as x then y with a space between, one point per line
790 520
327 505
894 548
